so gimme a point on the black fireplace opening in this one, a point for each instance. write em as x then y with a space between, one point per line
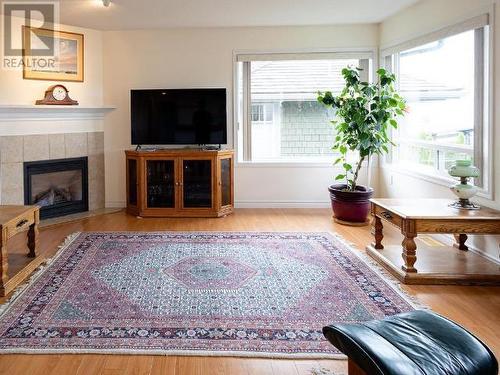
59 187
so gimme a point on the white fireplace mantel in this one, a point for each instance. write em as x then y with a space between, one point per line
44 112
51 119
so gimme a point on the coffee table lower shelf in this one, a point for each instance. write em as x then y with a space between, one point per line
438 265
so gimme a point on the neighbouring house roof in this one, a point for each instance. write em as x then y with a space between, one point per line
295 79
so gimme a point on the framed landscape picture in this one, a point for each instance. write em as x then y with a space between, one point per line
52 55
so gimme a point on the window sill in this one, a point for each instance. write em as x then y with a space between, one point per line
432 178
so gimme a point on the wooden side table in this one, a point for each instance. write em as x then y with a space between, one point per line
13 220
437 264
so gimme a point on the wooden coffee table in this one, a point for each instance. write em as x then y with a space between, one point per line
13 220
436 264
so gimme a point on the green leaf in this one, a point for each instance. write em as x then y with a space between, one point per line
340 177
363 113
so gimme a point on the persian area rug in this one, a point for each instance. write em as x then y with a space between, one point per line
191 293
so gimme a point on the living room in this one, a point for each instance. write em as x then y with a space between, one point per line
281 187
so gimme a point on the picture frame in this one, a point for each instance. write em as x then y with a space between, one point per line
67 62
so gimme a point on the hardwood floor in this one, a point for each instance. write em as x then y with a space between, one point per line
477 308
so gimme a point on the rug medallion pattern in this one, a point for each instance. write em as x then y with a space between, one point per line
265 294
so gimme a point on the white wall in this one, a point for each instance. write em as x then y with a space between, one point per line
16 90
420 19
183 58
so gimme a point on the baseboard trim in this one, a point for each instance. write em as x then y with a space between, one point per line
449 240
253 204
115 204
281 204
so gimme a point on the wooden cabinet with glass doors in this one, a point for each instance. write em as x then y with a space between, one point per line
173 183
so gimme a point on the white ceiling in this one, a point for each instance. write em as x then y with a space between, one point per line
147 14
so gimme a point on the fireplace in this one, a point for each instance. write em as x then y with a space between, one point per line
59 186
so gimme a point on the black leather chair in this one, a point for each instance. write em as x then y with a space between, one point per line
414 343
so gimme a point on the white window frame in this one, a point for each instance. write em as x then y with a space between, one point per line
273 125
483 127
243 157
266 109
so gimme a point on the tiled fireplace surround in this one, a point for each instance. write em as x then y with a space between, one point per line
17 149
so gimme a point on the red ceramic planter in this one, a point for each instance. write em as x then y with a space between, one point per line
350 206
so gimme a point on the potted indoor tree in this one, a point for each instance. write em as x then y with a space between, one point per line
364 113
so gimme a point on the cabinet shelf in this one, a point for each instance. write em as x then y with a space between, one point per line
173 183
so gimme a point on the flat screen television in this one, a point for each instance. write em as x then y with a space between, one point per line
178 116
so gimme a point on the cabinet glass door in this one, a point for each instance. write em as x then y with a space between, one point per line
160 176
225 181
197 183
132 181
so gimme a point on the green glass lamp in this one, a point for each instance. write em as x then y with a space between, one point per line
464 170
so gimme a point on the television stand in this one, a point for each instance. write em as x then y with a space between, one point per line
180 182
138 148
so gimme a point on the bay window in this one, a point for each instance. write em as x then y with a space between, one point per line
279 117
444 78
